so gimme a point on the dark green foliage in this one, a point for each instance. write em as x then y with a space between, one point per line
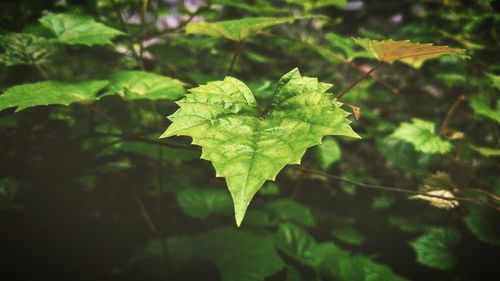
89 191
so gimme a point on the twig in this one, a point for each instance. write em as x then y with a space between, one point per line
101 113
475 199
380 187
144 140
485 192
143 25
450 113
235 56
125 28
361 78
145 213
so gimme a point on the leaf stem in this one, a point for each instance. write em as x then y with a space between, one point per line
361 78
237 51
450 113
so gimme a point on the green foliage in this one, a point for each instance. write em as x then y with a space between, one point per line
478 220
239 255
22 48
421 134
434 248
327 153
201 202
51 92
236 30
75 29
133 85
101 168
248 145
310 5
8 190
330 260
481 105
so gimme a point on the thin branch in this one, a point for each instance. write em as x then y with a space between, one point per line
380 187
101 113
361 78
235 56
137 57
485 192
144 140
450 113
145 213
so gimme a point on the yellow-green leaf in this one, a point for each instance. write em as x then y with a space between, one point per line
236 30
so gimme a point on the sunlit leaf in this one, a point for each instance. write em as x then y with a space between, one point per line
421 134
78 29
133 85
51 92
434 248
247 146
411 53
236 30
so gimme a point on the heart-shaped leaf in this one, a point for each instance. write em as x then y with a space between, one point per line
249 145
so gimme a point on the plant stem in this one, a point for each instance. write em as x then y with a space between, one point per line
361 78
101 113
450 113
145 213
159 184
235 56
380 187
143 28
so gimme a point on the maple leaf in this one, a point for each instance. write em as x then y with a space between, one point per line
248 146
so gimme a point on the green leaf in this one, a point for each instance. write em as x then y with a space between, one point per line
495 80
327 258
347 46
237 254
201 202
327 153
291 211
482 106
247 146
339 264
486 151
50 92
482 223
310 5
133 85
382 202
434 248
348 234
22 48
236 30
296 243
78 29
421 134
